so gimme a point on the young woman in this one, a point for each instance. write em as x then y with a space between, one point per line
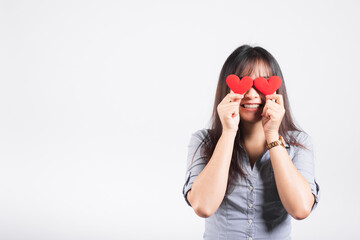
245 188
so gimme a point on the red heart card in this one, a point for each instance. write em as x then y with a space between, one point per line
237 85
267 86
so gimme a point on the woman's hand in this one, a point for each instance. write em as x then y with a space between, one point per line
228 111
273 114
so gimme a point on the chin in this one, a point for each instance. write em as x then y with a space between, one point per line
250 119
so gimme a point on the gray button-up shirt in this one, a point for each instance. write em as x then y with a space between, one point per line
253 210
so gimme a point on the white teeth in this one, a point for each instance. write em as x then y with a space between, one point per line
252 106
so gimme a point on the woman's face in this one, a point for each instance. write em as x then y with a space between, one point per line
251 106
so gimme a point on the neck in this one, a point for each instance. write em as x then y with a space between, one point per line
252 132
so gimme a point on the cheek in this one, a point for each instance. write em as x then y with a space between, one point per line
262 96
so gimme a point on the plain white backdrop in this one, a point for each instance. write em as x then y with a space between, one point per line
98 100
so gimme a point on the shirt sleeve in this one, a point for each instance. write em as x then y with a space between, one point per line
304 162
194 165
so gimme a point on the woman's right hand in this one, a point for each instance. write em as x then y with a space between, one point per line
229 111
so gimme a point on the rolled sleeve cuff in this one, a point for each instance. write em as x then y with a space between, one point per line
315 189
187 186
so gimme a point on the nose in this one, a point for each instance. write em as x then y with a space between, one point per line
252 93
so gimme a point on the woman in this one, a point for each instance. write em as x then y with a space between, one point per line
242 188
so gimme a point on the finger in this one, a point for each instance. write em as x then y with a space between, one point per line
232 92
274 100
270 114
236 97
277 97
233 110
229 97
265 114
271 104
270 96
276 108
233 106
281 99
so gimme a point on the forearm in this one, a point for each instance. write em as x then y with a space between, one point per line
294 191
209 187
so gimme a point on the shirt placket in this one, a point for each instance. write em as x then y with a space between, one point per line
251 197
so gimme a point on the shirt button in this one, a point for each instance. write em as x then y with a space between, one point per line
250 205
251 188
250 221
250 238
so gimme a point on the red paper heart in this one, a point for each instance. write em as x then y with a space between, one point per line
237 85
267 86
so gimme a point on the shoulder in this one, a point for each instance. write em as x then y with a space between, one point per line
201 133
198 136
302 138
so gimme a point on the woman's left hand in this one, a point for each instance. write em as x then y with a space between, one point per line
273 114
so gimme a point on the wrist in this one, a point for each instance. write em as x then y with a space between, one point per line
271 137
230 133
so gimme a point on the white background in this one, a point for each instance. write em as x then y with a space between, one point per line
98 100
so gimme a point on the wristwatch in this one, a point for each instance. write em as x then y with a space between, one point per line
276 143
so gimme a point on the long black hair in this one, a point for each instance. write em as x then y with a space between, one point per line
242 62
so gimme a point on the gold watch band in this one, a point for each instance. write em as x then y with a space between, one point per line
278 142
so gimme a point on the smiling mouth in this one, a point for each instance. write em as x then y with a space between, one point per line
252 106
